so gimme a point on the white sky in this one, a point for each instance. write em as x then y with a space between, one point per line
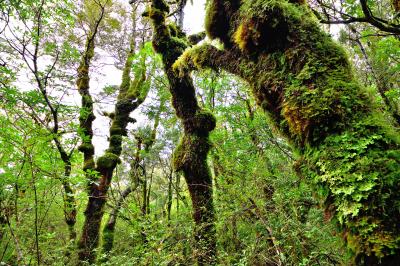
194 16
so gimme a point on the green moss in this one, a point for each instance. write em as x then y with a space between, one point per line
110 115
86 147
240 37
133 92
88 165
190 155
203 122
116 130
195 57
108 161
217 22
115 144
173 30
214 30
196 38
178 158
361 173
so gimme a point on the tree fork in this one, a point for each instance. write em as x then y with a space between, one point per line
131 95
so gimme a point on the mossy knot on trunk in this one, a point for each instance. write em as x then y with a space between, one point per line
88 164
190 155
86 147
202 123
108 161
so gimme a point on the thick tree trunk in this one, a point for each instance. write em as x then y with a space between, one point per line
190 156
304 81
88 239
90 233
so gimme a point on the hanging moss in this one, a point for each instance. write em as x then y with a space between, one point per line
304 81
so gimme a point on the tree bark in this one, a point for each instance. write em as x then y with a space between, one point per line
88 239
305 83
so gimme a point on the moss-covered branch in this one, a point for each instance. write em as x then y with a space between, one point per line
190 156
305 83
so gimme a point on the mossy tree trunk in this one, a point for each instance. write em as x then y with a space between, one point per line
305 83
86 243
190 156
131 94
